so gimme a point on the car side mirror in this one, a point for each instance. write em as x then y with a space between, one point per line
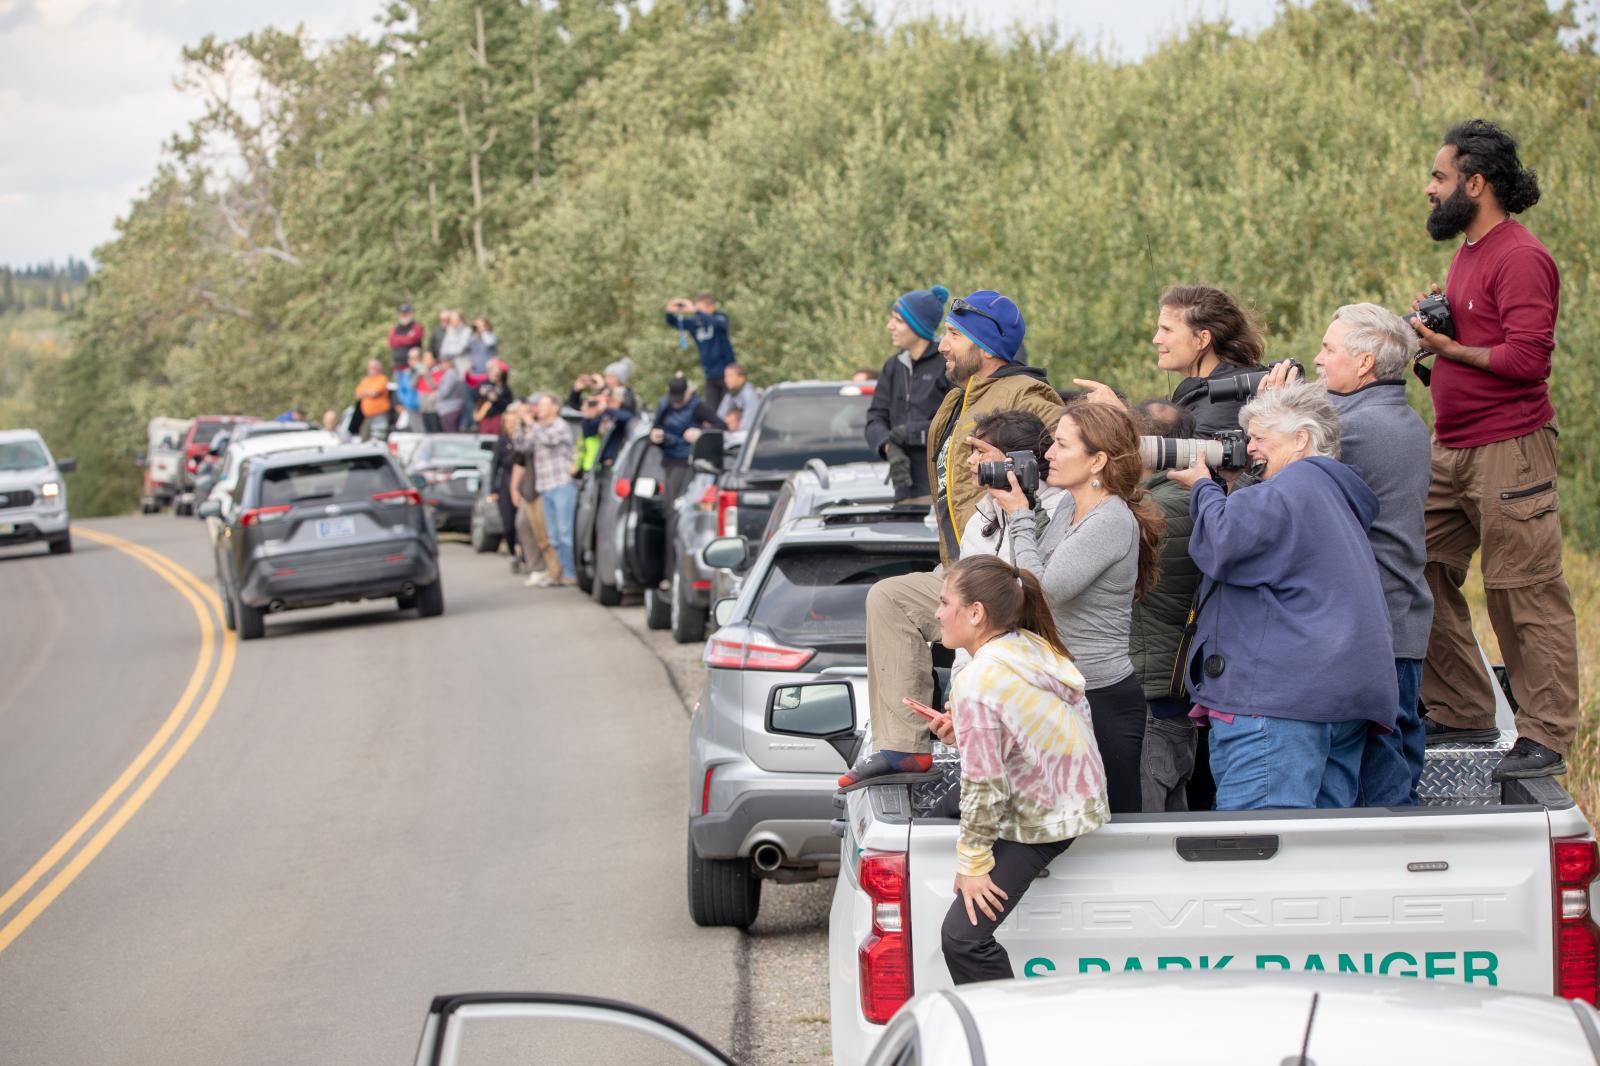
825 710
211 509
722 610
708 446
66 466
725 553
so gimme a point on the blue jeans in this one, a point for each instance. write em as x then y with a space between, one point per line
560 508
1262 763
1391 763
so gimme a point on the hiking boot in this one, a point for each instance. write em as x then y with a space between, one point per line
1528 758
1438 734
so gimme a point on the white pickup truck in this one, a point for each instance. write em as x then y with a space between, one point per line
1479 885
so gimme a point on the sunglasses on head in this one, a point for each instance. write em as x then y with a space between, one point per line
959 306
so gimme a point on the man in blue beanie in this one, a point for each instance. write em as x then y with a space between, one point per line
910 388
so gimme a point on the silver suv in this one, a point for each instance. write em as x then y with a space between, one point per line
785 701
33 496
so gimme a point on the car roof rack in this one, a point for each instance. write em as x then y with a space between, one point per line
846 512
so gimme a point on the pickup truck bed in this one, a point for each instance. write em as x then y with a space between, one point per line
1470 887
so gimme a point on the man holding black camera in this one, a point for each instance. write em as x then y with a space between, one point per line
1494 461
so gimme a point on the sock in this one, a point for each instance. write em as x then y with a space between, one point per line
888 762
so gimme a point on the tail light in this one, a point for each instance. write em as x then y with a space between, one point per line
705 792
192 465
734 648
1575 864
727 513
263 515
884 956
398 497
622 487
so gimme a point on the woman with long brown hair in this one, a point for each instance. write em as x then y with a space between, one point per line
1031 776
1098 554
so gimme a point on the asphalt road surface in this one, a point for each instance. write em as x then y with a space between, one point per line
280 851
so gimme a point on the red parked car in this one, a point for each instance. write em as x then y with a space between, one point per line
195 443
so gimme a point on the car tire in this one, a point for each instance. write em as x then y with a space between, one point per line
430 600
251 621
62 545
722 892
481 542
688 621
584 564
657 608
605 595
228 621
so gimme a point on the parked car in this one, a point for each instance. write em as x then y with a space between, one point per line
162 463
762 773
325 525
703 513
33 492
196 442
607 504
448 468
237 452
487 530
403 444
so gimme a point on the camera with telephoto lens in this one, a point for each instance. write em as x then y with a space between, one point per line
1433 311
1023 464
1243 385
1227 451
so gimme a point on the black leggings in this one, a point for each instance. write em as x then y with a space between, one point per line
1118 713
971 953
508 514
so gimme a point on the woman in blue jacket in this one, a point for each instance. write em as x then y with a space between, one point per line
1291 659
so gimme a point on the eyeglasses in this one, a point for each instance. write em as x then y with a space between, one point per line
959 306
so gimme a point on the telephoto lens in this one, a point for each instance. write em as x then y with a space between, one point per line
1175 453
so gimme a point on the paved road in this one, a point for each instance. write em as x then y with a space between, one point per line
379 809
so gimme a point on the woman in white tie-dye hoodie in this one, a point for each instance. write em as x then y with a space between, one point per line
1031 776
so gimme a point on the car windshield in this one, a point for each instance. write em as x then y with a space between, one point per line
819 597
22 455
205 431
791 429
464 448
355 477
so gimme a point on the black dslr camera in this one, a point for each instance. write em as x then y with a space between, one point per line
1243 385
1433 311
1023 464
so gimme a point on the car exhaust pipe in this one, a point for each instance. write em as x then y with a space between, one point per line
275 605
408 590
767 857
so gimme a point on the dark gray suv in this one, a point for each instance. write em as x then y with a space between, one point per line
310 528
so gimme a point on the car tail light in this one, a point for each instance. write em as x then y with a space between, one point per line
727 513
705 792
1575 865
733 649
622 487
708 498
262 514
397 497
193 465
884 956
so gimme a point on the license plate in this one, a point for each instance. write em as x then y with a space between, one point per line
333 528
7 528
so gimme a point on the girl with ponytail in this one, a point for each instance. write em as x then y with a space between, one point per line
1031 776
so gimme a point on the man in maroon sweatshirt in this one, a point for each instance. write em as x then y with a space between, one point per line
1494 462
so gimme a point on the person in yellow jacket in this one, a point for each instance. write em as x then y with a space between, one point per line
983 350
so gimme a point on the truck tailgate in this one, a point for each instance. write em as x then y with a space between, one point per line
1459 895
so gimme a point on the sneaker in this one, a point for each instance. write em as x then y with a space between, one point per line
1528 758
569 582
1439 734
539 580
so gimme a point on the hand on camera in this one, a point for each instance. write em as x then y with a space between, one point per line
1010 501
1282 374
1189 476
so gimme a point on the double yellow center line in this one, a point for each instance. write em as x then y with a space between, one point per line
215 661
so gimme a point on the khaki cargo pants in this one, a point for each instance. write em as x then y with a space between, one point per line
900 623
534 509
1502 496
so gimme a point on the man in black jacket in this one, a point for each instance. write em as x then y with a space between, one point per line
909 390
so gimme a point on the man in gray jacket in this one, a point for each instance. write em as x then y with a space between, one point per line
1363 359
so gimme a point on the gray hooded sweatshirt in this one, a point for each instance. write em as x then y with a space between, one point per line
1386 441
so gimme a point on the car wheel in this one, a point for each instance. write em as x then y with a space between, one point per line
584 564
430 600
62 545
476 538
605 595
252 621
722 891
228 622
688 621
657 608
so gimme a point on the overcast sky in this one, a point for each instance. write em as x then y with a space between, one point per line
86 96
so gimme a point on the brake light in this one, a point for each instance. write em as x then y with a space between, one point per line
1575 864
397 497
730 651
708 499
705 793
884 957
193 465
727 513
262 514
622 487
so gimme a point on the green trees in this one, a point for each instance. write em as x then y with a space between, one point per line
565 167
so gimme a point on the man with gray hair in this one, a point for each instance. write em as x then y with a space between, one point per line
1362 364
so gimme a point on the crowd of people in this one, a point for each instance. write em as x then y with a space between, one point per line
1288 616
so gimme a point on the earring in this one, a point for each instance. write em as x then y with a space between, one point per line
1094 483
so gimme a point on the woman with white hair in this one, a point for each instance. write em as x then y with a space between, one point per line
1292 659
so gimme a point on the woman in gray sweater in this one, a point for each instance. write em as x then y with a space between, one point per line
1098 554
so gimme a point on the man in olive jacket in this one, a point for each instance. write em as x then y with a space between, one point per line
1156 633
981 345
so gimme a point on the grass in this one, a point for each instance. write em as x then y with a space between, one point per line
1583 578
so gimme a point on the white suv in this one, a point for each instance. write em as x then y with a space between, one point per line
33 494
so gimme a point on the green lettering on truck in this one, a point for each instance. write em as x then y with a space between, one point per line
1476 964
1038 967
1264 962
1087 965
1172 962
1394 956
1434 964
